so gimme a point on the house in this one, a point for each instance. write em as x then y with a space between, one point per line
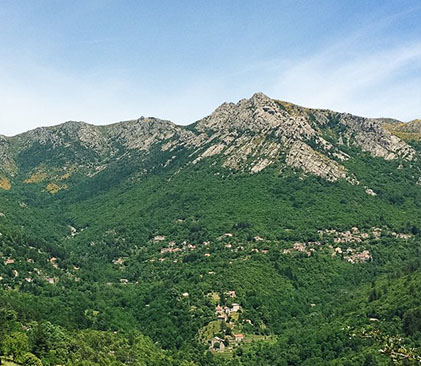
9 261
217 344
118 261
220 313
159 238
235 308
226 235
239 337
231 293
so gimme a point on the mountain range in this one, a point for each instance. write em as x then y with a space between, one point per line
264 233
248 136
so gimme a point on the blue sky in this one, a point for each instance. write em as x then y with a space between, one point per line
102 61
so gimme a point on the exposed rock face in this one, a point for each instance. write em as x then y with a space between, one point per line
7 164
142 133
64 134
258 132
250 136
371 136
258 114
304 157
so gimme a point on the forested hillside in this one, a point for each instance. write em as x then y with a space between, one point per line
263 234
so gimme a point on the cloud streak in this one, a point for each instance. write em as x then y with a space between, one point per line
368 83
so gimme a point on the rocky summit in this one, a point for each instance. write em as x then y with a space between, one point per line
247 136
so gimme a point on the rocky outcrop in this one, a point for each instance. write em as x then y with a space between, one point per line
142 133
373 137
7 164
259 114
63 135
303 157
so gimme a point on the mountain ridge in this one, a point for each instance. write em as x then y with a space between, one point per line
248 136
81 123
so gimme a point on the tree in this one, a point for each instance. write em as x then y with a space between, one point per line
8 321
29 359
16 345
412 321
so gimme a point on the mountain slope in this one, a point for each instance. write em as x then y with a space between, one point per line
152 230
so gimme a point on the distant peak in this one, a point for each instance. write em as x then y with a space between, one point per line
259 96
153 120
73 124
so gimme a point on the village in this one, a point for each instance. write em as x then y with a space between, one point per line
348 245
224 334
24 270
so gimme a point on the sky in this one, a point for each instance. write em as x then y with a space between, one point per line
103 61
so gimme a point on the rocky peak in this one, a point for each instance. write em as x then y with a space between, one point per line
249 135
257 132
142 133
63 134
259 114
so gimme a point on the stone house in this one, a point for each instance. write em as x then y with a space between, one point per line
217 344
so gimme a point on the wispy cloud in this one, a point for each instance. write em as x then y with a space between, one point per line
382 82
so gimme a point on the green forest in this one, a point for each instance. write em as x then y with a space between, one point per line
202 265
